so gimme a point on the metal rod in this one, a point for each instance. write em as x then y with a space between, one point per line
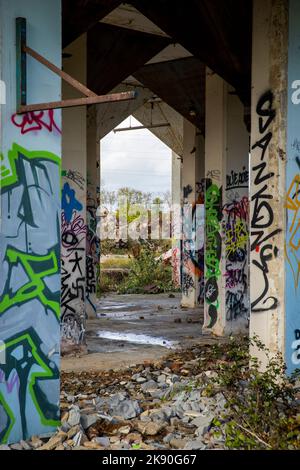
21 84
65 76
130 95
135 128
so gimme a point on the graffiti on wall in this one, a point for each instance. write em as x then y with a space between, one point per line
235 228
292 244
263 245
73 275
193 243
29 293
213 246
237 180
92 245
36 121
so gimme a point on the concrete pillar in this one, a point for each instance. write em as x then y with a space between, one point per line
226 211
176 205
274 258
193 155
30 229
236 218
215 147
92 203
73 225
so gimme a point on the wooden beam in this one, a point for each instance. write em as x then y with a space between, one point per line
130 95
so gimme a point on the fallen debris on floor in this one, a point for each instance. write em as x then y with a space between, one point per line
170 404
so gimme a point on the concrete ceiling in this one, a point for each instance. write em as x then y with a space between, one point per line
114 53
179 83
126 16
217 32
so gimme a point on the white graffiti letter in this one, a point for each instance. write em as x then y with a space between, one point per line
296 354
2 92
296 93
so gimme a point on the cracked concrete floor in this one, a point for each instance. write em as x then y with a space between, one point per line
132 329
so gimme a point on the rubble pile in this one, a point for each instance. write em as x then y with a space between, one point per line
160 405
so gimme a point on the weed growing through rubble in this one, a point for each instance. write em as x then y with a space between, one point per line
263 407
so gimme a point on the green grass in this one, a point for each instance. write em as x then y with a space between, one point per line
115 263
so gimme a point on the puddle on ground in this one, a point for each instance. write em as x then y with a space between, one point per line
138 339
114 306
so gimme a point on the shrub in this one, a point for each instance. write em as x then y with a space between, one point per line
263 409
146 271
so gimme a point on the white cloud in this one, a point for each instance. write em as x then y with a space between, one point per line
135 158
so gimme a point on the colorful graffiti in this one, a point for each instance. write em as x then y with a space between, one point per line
73 271
29 293
292 244
235 228
213 247
262 239
292 199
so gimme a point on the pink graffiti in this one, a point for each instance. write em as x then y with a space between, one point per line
14 381
35 121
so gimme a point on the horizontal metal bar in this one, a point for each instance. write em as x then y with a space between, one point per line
136 128
128 95
65 76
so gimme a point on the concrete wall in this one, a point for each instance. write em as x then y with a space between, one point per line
74 227
30 229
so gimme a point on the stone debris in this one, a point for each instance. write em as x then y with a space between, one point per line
161 405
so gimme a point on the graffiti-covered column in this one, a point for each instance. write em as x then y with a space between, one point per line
275 130
30 157
73 218
235 218
227 210
215 168
92 203
192 215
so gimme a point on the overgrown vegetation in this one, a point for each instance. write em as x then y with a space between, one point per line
147 274
263 407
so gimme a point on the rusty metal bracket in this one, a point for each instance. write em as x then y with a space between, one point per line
21 79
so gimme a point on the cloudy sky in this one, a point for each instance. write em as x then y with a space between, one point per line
136 159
